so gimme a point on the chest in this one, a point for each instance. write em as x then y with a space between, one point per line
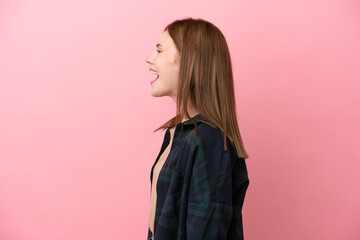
160 163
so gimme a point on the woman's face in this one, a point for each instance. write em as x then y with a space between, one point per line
164 63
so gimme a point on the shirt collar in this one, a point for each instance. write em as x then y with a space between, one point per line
189 122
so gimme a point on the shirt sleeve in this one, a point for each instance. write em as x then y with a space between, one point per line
210 209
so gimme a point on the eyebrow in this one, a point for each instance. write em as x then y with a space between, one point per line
159 45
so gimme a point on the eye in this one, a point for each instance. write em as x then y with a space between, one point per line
158 51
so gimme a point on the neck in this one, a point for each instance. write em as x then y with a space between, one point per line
192 112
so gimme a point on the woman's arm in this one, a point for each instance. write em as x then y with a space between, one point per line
217 189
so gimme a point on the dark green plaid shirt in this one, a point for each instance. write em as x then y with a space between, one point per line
201 188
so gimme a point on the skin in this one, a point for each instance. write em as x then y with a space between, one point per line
165 59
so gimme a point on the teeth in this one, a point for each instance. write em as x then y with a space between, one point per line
153 72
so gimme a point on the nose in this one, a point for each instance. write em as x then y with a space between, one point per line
151 57
148 60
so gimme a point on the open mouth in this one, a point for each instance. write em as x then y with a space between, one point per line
157 76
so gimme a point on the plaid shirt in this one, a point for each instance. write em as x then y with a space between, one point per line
201 188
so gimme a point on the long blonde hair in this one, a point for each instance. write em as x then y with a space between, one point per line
205 78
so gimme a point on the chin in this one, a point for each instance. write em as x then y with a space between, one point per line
159 94
156 94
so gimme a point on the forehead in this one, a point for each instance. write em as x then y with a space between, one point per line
165 40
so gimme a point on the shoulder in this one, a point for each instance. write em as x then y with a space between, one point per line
208 145
209 142
209 136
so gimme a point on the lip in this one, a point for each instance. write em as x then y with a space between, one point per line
151 69
154 80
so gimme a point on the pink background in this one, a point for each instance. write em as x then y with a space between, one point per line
76 115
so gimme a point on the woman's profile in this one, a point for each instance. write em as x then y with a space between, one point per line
199 179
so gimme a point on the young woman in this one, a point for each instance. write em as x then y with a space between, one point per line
199 179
